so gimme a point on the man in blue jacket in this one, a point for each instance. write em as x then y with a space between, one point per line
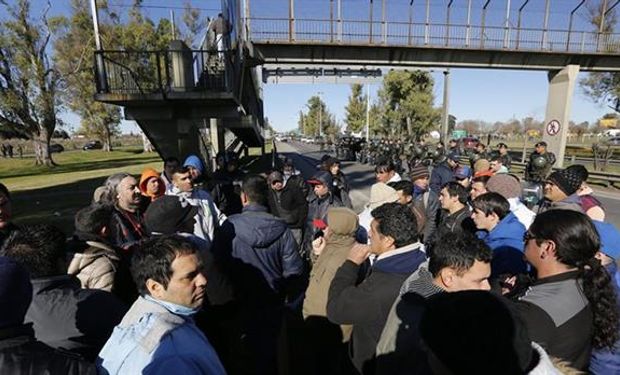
502 231
260 255
158 334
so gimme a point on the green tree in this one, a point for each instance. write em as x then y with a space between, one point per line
318 117
73 56
602 86
356 109
28 78
406 100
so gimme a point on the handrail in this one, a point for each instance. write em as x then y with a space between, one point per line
455 35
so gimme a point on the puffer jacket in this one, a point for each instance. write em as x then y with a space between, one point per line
96 266
506 241
21 353
260 255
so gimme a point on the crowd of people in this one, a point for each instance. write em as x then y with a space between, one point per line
444 271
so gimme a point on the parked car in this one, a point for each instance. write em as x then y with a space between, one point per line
93 145
56 147
614 141
469 143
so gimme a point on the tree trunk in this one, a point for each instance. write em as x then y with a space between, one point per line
146 143
107 141
41 143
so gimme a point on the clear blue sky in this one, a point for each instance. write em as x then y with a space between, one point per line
488 95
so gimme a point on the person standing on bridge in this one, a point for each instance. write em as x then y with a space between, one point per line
221 28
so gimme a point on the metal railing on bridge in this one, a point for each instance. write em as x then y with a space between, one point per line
359 32
163 72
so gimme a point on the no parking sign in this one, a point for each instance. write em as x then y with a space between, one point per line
553 127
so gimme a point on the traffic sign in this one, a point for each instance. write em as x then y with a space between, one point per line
553 127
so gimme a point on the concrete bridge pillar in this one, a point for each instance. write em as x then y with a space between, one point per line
557 116
187 138
216 132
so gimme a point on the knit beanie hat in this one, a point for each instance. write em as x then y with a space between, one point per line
481 165
419 171
568 181
342 221
15 292
194 162
380 194
580 171
166 214
505 185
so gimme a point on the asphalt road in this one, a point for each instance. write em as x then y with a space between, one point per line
361 177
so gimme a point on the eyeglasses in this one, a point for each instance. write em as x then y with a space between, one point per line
528 236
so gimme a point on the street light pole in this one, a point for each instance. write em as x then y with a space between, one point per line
445 115
320 113
367 113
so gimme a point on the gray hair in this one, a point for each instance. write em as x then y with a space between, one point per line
111 185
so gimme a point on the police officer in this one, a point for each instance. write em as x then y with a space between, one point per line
540 163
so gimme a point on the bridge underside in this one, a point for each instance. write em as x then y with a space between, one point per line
361 55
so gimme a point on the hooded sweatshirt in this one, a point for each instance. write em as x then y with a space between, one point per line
506 241
343 225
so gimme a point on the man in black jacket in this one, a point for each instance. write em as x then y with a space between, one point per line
318 204
20 352
457 214
288 201
444 172
458 262
63 315
365 305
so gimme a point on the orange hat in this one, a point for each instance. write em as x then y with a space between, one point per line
147 174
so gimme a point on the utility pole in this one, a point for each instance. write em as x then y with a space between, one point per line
446 106
102 76
320 93
367 113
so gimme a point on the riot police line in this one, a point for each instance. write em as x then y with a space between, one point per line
405 155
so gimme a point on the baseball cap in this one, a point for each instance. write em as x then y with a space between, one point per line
542 143
321 178
462 172
454 157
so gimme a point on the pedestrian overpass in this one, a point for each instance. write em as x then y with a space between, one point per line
176 95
